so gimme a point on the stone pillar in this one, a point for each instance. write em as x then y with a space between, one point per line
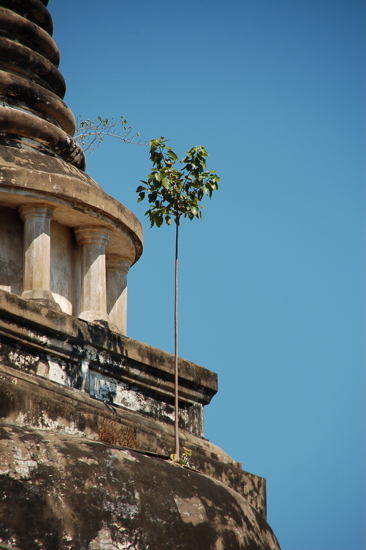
37 254
93 241
117 270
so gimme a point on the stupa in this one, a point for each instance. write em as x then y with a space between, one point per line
87 412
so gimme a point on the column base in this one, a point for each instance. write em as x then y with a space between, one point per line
43 297
99 317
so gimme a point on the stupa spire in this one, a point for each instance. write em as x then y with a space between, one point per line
32 113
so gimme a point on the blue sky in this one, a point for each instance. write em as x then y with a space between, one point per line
272 281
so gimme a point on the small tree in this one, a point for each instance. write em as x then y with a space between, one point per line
173 194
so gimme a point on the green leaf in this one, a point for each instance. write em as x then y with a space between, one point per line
173 193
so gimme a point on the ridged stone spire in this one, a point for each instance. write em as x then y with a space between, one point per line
32 113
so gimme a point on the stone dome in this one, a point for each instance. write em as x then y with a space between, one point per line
65 493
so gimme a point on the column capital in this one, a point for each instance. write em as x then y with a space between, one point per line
35 211
115 262
92 234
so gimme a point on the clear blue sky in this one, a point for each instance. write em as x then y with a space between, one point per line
272 281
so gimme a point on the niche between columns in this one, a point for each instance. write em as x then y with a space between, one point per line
65 269
11 251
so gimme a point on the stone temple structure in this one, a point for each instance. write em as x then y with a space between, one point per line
86 413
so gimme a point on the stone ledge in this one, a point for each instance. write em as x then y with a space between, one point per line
109 366
31 402
17 313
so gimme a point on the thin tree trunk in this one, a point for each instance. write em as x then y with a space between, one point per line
176 406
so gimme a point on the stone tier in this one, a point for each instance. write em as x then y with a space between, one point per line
34 10
32 113
64 241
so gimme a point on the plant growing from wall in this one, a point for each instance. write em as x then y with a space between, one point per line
184 458
173 194
91 133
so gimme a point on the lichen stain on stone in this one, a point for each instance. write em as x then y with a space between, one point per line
39 338
21 360
83 495
104 541
23 465
57 372
44 422
89 461
191 510
123 454
90 352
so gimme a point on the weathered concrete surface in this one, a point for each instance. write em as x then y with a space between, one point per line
58 492
34 10
29 33
41 166
40 69
92 241
51 138
32 402
48 365
32 114
117 271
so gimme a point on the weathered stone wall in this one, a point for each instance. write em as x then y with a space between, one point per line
113 371
46 358
65 493
63 241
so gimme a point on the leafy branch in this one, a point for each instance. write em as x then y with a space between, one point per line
91 133
173 193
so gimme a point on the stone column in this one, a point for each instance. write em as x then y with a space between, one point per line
37 254
93 241
117 270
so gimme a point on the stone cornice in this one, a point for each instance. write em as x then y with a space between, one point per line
29 176
110 353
